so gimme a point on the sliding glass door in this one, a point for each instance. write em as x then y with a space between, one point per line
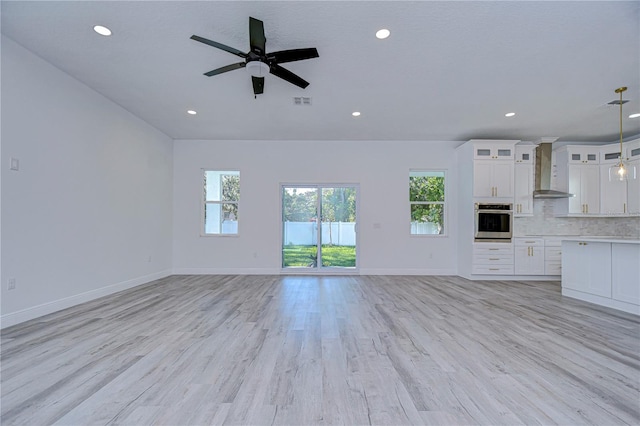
319 226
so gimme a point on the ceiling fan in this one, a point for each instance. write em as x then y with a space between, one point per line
258 61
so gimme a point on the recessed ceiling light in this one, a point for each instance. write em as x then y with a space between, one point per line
383 33
192 112
510 114
102 30
356 113
636 115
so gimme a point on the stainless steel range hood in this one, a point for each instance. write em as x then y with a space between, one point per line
543 174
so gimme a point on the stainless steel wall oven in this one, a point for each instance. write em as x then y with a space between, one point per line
493 222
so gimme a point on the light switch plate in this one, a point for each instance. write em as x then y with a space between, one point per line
15 164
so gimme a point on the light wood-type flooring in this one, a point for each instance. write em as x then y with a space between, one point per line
302 350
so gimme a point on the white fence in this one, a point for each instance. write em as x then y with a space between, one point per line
306 233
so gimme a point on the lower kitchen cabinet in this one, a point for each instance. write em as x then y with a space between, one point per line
586 267
529 256
603 272
492 259
625 272
552 257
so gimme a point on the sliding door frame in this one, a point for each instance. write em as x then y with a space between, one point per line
319 270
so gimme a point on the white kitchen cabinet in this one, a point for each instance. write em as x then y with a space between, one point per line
493 179
583 181
492 259
524 180
582 154
633 187
529 256
625 272
523 189
552 256
586 267
493 150
613 193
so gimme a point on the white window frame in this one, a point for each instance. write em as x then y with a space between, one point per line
205 203
445 211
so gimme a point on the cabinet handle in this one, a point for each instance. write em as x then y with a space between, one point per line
624 207
494 249
494 258
494 269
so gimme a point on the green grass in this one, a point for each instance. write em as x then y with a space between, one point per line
337 256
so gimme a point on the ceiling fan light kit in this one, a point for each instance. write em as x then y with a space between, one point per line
257 68
258 62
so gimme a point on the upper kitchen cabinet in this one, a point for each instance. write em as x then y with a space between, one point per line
633 184
579 154
613 192
492 150
524 180
493 169
578 175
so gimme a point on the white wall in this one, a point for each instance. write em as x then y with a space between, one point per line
381 168
92 201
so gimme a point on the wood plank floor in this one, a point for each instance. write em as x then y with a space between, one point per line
300 350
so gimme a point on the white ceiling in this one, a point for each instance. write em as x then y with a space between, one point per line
449 71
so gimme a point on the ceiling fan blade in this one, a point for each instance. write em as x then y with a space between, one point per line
258 85
287 75
219 46
256 36
225 69
293 55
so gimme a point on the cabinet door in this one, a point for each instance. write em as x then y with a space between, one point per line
625 272
523 190
586 267
529 260
483 178
613 193
633 188
503 179
590 188
584 182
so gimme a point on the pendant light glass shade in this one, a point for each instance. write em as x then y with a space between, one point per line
621 171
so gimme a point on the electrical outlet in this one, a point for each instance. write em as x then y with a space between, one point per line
11 284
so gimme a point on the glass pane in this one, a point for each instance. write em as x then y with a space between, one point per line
575 157
212 219
230 187
591 157
426 186
217 183
300 230
525 157
338 234
427 219
504 153
483 152
221 218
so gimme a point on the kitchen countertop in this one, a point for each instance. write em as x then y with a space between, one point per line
617 240
592 238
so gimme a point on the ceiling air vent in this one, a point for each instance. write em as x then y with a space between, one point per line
301 101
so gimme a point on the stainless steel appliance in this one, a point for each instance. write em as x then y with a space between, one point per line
493 222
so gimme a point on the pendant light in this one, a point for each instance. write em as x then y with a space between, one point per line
621 171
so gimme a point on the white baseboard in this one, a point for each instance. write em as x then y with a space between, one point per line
18 317
277 271
226 271
383 271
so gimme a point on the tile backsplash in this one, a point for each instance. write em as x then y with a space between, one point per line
543 222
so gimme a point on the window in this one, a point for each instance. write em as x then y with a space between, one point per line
426 199
221 197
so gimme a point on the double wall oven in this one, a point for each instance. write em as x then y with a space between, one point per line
493 222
